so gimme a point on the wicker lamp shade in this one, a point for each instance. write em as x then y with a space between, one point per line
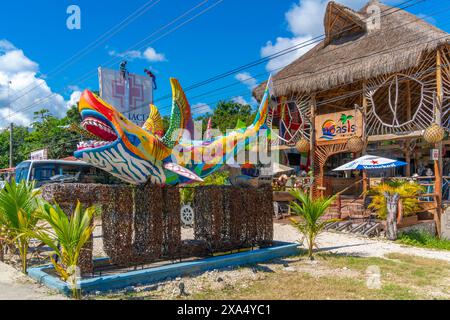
355 144
302 145
434 133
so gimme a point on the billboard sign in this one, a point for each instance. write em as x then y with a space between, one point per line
129 93
41 154
338 126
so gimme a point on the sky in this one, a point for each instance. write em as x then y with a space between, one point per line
44 64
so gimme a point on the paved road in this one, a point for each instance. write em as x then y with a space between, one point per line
16 286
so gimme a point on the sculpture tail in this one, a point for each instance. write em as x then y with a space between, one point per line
261 115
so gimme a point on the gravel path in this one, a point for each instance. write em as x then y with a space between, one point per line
16 286
354 245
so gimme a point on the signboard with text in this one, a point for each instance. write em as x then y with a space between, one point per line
338 126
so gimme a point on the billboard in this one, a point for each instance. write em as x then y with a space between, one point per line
129 93
41 154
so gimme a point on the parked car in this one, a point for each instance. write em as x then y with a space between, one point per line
61 171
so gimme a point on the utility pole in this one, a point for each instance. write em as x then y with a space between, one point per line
10 131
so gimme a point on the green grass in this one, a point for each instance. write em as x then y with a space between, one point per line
424 240
403 277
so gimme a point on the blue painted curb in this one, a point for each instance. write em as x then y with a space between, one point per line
152 275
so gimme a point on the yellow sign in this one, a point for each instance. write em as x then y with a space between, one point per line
338 126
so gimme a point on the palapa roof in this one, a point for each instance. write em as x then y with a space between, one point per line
353 50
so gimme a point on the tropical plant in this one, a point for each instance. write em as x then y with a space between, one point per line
409 192
66 236
311 212
19 214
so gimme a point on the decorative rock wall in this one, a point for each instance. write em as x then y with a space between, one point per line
229 217
143 224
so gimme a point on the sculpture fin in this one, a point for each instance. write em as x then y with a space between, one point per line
181 117
154 123
182 171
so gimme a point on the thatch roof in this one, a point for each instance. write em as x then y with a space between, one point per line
352 51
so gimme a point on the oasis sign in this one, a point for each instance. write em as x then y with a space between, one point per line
338 126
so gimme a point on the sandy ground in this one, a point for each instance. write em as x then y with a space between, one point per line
16 286
350 244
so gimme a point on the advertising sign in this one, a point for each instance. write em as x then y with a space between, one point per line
129 93
338 126
39 155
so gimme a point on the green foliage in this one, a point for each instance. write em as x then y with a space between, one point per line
19 214
66 236
44 132
215 179
311 212
404 189
423 239
227 114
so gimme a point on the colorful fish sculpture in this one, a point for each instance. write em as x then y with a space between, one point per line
140 155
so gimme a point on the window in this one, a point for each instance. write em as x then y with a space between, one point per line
22 171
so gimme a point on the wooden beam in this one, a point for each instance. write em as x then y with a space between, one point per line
312 141
387 137
364 136
438 163
408 141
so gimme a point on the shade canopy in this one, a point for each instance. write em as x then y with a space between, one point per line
369 162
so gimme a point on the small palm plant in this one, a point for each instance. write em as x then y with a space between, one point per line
66 236
19 213
311 212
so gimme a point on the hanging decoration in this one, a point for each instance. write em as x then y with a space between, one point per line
302 145
355 144
434 133
288 119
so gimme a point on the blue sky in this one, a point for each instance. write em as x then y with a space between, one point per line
34 40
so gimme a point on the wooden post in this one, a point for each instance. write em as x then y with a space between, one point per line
391 219
438 163
407 141
312 142
364 138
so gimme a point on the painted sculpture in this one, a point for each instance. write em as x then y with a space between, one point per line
138 155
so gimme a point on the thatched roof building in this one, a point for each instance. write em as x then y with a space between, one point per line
355 48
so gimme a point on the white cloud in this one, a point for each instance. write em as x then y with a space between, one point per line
241 100
305 21
151 55
74 98
27 91
282 44
247 79
201 108
148 54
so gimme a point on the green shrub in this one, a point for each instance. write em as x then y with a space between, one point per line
311 212
19 214
404 189
424 240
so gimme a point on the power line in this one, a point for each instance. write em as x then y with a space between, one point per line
160 29
99 40
278 54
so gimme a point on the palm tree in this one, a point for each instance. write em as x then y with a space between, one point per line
19 209
346 120
310 211
66 236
